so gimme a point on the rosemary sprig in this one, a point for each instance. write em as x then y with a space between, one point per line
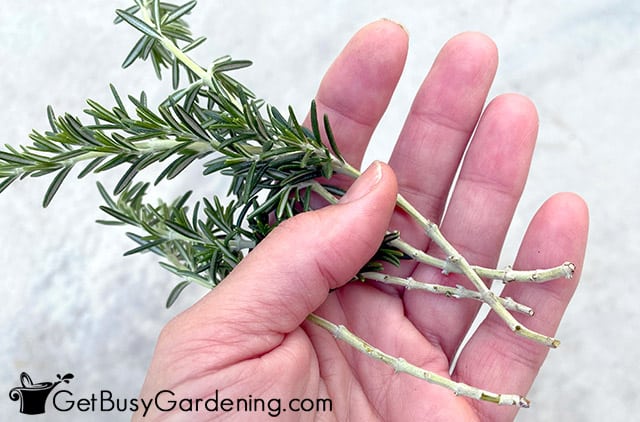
274 164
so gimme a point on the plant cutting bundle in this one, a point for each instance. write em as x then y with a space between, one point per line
277 169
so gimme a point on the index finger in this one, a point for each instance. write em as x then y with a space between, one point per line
357 88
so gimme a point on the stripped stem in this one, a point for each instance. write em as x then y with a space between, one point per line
506 275
456 259
458 292
398 364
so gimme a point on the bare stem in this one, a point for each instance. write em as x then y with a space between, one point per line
506 275
456 259
458 292
398 364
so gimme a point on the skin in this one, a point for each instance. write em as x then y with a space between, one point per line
249 335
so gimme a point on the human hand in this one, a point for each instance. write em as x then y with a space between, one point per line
248 337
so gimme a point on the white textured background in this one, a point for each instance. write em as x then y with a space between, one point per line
69 302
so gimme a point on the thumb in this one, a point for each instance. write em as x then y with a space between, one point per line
289 274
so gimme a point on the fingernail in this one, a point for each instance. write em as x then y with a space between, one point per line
363 184
404 28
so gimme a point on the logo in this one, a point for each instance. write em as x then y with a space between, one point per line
33 397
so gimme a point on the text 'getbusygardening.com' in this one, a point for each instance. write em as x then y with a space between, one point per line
167 401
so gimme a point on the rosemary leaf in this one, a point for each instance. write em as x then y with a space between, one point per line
175 293
138 24
55 185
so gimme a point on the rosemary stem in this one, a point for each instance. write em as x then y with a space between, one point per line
455 258
323 192
141 147
174 49
458 292
398 364
345 168
506 275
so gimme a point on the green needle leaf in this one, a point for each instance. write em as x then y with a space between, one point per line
144 246
55 185
132 10
14 159
119 216
7 181
138 24
191 123
331 138
156 12
314 121
138 51
232 65
195 43
180 12
183 231
175 293
131 172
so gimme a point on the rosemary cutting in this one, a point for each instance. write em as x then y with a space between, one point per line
275 164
